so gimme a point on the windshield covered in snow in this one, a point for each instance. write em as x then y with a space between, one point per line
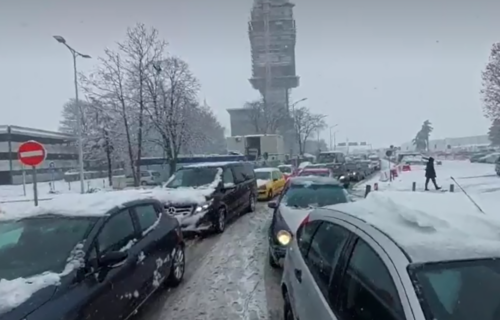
313 195
32 246
263 175
314 173
461 290
193 177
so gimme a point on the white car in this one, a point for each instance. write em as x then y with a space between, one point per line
148 178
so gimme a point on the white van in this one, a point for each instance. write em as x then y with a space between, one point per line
148 178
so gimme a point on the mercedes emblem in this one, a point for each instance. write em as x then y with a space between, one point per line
171 210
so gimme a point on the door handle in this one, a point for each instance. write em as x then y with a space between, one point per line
298 274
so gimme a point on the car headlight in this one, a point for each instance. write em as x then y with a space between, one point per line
203 207
284 237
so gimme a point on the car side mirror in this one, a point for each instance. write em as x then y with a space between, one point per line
272 204
111 258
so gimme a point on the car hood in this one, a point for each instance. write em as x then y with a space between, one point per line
261 182
181 196
35 301
293 217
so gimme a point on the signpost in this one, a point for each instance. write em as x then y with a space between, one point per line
52 165
32 153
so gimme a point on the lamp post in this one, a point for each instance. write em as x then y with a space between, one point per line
334 142
292 106
79 117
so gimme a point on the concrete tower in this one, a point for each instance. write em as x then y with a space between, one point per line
272 34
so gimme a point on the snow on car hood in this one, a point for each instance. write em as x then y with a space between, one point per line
181 195
261 182
293 216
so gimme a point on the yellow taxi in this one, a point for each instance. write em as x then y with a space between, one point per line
270 182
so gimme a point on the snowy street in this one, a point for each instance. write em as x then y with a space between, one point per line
227 277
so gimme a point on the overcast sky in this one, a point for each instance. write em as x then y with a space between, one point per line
377 68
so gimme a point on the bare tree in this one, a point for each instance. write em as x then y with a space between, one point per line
173 104
305 124
266 117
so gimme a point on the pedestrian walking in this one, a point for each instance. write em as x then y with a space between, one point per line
430 174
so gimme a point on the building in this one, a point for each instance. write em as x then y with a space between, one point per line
61 152
241 122
272 34
451 143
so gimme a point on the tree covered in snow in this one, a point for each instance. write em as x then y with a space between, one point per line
421 140
141 101
494 132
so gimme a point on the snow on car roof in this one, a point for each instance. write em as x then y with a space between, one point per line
430 226
210 164
308 180
266 169
83 205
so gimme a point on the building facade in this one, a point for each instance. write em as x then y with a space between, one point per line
272 35
241 122
449 143
61 152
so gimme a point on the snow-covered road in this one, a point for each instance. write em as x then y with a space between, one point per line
227 277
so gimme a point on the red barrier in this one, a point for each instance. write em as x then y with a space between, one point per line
375 186
406 167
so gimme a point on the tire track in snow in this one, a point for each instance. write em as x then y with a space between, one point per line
229 283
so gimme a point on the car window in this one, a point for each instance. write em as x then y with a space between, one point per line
116 233
147 215
367 289
305 234
145 174
238 175
227 176
326 245
248 172
275 175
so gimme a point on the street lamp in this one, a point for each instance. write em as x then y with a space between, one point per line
297 102
334 142
79 117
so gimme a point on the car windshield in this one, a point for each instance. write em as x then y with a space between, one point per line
263 175
32 246
313 195
327 158
285 169
314 173
460 290
193 177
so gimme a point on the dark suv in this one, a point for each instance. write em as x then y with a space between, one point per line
229 189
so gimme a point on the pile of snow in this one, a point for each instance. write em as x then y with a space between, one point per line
428 220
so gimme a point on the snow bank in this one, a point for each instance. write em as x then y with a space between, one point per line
428 220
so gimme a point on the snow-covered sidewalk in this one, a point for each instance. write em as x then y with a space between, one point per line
229 283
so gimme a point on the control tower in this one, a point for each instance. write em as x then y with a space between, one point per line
272 34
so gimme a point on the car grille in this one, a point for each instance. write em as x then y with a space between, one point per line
179 210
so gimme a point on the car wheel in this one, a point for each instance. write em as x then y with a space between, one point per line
270 195
220 224
144 183
272 262
251 203
178 266
287 308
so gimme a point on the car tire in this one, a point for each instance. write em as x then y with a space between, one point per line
270 195
272 262
251 203
287 308
220 224
178 267
144 183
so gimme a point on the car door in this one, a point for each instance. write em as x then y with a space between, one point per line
366 287
281 180
314 268
119 233
105 288
230 191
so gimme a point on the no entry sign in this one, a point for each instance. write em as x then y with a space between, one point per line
31 153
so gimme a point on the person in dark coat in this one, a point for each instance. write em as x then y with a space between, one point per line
430 174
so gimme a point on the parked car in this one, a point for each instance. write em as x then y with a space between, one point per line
148 178
490 158
349 262
226 189
477 156
301 195
270 182
101 258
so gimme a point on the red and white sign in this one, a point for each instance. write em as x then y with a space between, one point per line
31 153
